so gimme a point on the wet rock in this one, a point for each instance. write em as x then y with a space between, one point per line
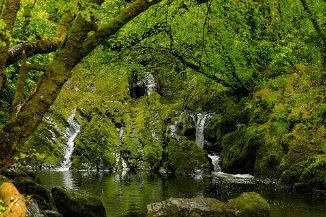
188 127
15 173
180 207
33 210
247 204
28 186
239 150
76 203
186 157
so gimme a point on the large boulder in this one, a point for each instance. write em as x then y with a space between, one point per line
178 207
186 157
247 204
42 196
239 150
74 203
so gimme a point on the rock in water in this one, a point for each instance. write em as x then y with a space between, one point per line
248 204
182 207
42 196
74 203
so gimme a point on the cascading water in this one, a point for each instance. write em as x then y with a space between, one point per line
149 83
200 120
71 133
216 162
234 178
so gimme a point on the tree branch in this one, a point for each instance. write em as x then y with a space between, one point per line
8 16
41 46
109 29
116 45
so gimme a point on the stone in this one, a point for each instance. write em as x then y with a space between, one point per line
248 204
182 207
42 196
74 203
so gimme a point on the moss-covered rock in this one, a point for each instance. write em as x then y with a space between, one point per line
187 126
75 203
44 148
314 176
239 150
213 133
186 157
96 144
42 196
249 204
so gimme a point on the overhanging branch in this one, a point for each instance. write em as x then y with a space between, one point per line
109 29
41 46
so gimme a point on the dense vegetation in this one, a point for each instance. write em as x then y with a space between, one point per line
257 66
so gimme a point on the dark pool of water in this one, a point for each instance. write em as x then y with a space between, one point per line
127 194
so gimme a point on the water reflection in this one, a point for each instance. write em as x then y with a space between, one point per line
58 178
128 194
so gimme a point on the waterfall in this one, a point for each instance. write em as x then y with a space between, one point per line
216 162
71 133
200 120
149 83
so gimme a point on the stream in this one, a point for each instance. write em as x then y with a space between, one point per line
127 194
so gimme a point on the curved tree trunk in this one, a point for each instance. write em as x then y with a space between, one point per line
8 16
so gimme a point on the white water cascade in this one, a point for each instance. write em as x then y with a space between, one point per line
149 83
200 120
216 162
71 133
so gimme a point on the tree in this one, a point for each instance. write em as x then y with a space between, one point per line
76 36
319 30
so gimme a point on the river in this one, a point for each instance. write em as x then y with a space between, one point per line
127 194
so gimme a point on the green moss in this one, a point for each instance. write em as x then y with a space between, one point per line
314 176
96 140
239 150
29 187
186 157
77 203
248 204
2 206
187 127
3 179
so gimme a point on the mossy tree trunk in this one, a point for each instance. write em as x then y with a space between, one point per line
7 19
76 46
